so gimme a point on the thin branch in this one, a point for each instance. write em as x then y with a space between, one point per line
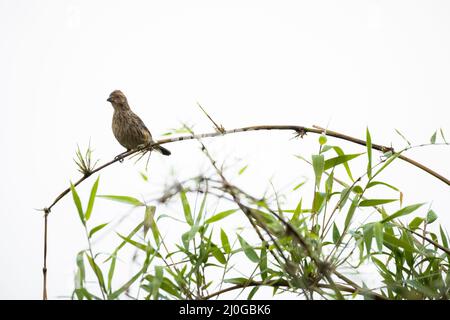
300 130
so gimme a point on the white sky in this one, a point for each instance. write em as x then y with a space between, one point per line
346 64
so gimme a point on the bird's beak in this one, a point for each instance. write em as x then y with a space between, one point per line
109 99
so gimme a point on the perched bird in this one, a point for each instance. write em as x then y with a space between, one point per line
127 127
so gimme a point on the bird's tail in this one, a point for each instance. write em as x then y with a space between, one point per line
163 150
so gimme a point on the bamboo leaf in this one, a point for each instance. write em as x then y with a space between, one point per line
134 243
433 138
351 212
431 216
336 234
369 153
92 199
77 201
263 263
241 171
186 208
123 199
415 223
375 202
225 242
378 233
97 228
374 183
402 212
220 215
97 271
157 281
248 250
112 267
333 162
318 163
125 287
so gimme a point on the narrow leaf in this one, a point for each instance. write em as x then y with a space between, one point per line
77 201
92 199
186 208
403 211
124 199
248 250
333 162
97 228
375 202
221 215
369 153
318 163
225 242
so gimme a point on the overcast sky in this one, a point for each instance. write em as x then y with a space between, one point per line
341 64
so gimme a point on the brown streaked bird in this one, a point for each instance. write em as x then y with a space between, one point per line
127 127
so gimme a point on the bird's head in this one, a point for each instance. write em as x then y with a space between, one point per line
118 99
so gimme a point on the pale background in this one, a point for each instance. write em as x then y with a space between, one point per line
345 64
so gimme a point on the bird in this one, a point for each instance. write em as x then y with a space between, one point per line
129 130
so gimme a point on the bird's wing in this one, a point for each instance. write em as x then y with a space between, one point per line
139 123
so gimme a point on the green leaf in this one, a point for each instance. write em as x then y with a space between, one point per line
157 281
319 200
357 189
77 201
218 254
252 293
125 287
221 215
375 202
248 250
80 264
368 236
92 199
329 183
336 234
150 223
374 183
144 176
318 163
431 216
112 267
263 263
433 138
397 243
333 162
97 228
130 235
369 153
415 223
402 212
134 243
242 170
442 135
378 233
443 237
97 271
351 212
124 199
344 196
186 208
225 242
299 185
340 152
239 281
